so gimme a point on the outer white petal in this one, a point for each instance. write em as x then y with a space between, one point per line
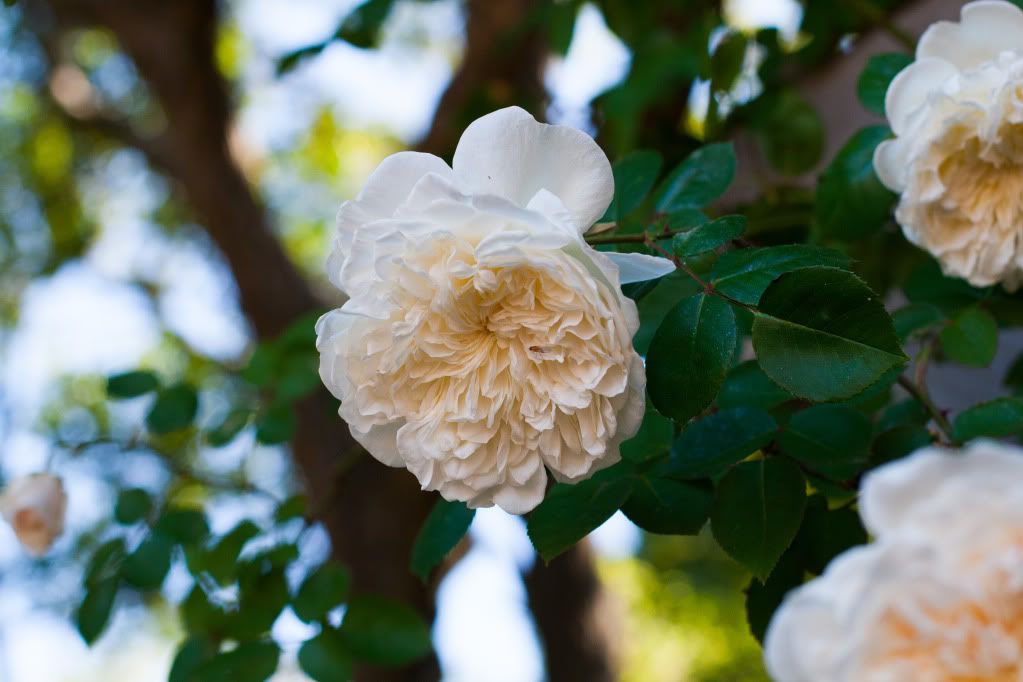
382 443
910 89
524 498
890 165
510 154
639 267
927 493
988 27
386 188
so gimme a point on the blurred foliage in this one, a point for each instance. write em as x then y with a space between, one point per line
682 611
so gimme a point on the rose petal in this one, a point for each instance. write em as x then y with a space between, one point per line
386 188
639 267
988 27
909 90
510 154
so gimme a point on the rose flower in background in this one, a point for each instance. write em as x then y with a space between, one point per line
34 506
483 339
937 597
957 158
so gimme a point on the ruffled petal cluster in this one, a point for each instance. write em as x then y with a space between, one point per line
34 506
937 597
484 342
957 158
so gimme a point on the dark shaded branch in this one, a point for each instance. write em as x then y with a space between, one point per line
505 53
570 608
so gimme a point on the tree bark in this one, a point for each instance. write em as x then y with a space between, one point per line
505 53
372 512
571 612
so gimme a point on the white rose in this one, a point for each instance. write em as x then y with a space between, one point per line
34 506
957 159
483 339
938 596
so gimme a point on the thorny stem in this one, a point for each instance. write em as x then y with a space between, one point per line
922 359
921 395
642 238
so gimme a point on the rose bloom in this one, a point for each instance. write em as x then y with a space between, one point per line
957 158
34 506
483 339
938 597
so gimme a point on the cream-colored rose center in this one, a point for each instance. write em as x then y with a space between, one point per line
976 636
495 369
984 185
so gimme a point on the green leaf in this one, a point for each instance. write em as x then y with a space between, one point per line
571 511
199 615
362 27
877 75
220 561
709 236
791 133
174 409
995 419
927 284
292 508
822 334
745 274
225 432
747 386
325 658
764 598
186 526
292 59
700 179
826 533
132 506
105 562
915 318
971 338
323 590
192 653
276 425
261 369
899 441
757 511
851 202
652 440
131 384
726 61
708 446
663 505
444 528
672 288
248 662
262 595
690 355
637 290
94 611
1014 376
830 439
147 566
634 176
298 375
384 632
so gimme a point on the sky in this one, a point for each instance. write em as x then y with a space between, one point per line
87 318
